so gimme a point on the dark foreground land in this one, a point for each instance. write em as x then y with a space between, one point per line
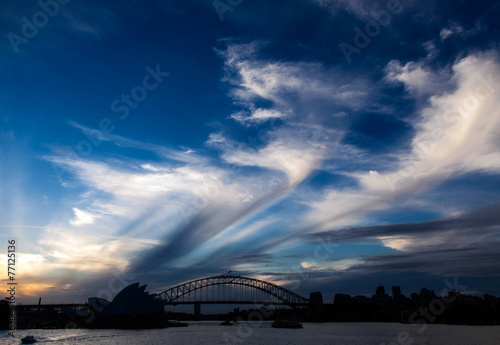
438 311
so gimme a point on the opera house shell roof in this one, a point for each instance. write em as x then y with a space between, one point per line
132 300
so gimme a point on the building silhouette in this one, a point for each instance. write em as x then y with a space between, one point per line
396 292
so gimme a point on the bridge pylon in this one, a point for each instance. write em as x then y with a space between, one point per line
197 310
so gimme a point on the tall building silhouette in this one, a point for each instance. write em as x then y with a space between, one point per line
396 292
380 290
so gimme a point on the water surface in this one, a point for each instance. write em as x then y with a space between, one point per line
263 334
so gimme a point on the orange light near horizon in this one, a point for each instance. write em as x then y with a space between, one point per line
28 293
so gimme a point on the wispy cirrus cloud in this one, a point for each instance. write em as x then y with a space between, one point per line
91 19
257 115
286 157
455 134
297 89
455 29
360 8
134 188
150 194
181 155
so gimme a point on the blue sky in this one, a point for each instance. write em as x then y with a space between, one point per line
318 144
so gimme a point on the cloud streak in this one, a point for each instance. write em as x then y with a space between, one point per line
472 223
465 245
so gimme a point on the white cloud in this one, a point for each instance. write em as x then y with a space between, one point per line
257 115
82 217
289 85
149 167
307 265
296 160
360 8
455 29
457 132
416 77
445 33
418 243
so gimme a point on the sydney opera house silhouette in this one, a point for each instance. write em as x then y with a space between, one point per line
132 300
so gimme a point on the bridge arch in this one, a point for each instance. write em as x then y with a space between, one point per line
286 296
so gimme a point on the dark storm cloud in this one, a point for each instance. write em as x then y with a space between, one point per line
482 260
481 220
472 247
263 258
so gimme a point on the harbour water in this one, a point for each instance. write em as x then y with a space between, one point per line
263 334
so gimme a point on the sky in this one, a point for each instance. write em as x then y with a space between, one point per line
322 145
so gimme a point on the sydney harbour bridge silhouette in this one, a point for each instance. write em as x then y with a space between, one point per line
231 290
222 289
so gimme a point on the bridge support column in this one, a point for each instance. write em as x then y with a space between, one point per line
197 310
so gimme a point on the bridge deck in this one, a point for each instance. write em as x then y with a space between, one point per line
50 306
233 302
